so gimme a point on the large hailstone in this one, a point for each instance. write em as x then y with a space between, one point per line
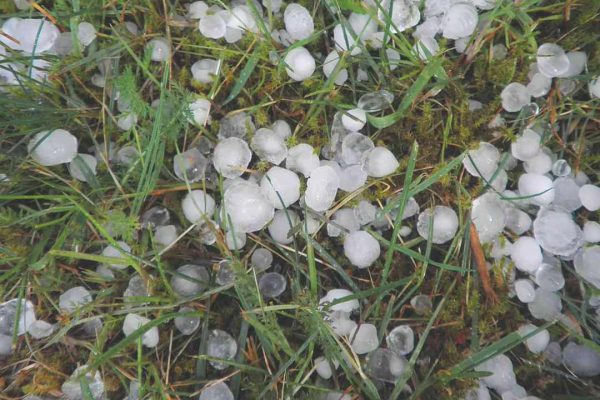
321 188
269 146
502 376
345 40
231 157
53 147
133 322
298 22
197 205
526 254
32 35
586 264
459 21
552 60
404 14
488 216
204 70
445 224
482 161
557 233
248 208
299 64
361 248
302 158
379 162
281 186
538 189
514 97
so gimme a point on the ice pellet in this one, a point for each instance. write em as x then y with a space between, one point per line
445 224
53 147
222 345
299 64
361 248
271 285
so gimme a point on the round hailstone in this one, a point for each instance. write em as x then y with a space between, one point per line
561 167
160 49
226 274
73 299
346 306
235 240
546 306
127 120
488 216
190 280
218 391
445 224
86 33
354 145
589 195
364 338
329 64
426 47
323 367
538 189
552 60
242 19
165 235
354 119
526 254
212 26
271 285
345 40
557 233
321 188
40 329
582 360
231 157
220 345
298 21
82 166
344 220
591 232
8 317
200 110
205 70
361 249
363 25
566 194
393 58
526 146
594 87
133 322
299 64
404 14
32 35
248 208
514 97
586 264
385 365
525 290
282 225
235 124
502 378
459 21
281 186
72 388
281 128
352 177
302 158
549 277
269 146
113 252
190 165
379 162
539 85
373 102
516 220
197 9
401 340
197 205
541 163
53 147
261 260
365 212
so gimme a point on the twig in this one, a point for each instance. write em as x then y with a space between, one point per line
481 265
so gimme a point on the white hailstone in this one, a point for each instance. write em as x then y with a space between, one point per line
361 249
82 166
459 21
401 340
197 205
298 21
516 220
514 97
302 158
321 188
53 147
190 280
546 305
113 252
340 324
190 166
73 299
550 277
299 64
525 290
271 285
503 377
538 189
460 45
590 197
354 146
165 235
86 33
225 274
430 27
445 224
212 26
126 121
566 194
582 360
557 233
133 322
354 119
365 212
236 124
345 40
352 177
591 232
426 47
73 389
8 317
235 240
379 162
205 70
487 214
282 225
553 353
344 221
552 60
364 338
375 101
273 5
323 367
40 329
231 157
242 19
248 208
541 163
218 391
200 110
539 85
131 28
334 295
500 248
566 86
385 365
281 128
105 272
64 46
363 25
30 34
482 161
516 392
393 58
586 264
160 49
404 231
499 181
269 146
281 186
5 345
400 14
526 254
197 9
220 345
594 87
581 178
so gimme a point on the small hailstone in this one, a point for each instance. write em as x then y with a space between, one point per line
586 264
561 167
133 322
127 155
190 280
539 85
365 212
459 21
479 393
552 60
361 249
137 287
553 353
53 147
235 240
236 124
40 329
487 214
242 19
352 177
426 47
385 365
165 235
197 9
546 305
281 186
261 259
197 205
345 40
401 340
269 146
460 45
220 345
538 189
557 233
273 5
591 232
86 33
190 166
298 21
231 157
594 87
73 299
200 112
590 197
5 345
541 163
549 277
346 306
379 162
8 316
187 325
93 326
204 70
218 391
83 165
525 290
64 46
340 324
225 274
344 220
282 128
323 367
126 121
212 26
536 343
502 375
282 226
566 194
112 252
393 58
445 224
248 208
354 119
404 14
582 360
329 65
72 388
515 96
302 158
422 304
271 284
321 188
160 49
526 254
373 102
354 145
364 338
299 64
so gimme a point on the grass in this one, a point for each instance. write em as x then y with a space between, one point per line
53 228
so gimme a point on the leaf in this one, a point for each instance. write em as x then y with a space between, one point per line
240 82
352 5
